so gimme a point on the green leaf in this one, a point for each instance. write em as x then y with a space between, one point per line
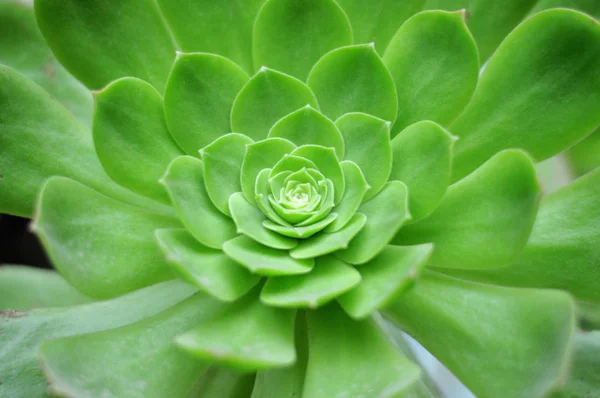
23 332
434 62
353 358
393 271
248 335
290 163
547 106
248 220
259 156
329 242
290 36
422 159
327 163
223 167
564 246
354 79
377 20
355 188
584 156
590 7
206 268
131 136
104 248
367 142
35 131
386 213
198 98
329 279
266 98
301 232
184 181
308 126
132 361
224 383
226 27
485 219
263 190
23 288
263 260
467 326
23 48
99 42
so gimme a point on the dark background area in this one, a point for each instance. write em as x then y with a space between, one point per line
18 245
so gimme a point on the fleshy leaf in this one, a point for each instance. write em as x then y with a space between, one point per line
301 232
485 219
249 219
585 155
262 197
353 357
291 37
393 271
422 159
263 260
226 27
184 181
465 325
149 365
266 98
385 213
291 163
329 242
308 126
355 188
23 332
209 269
548 106
434 62
102 247
259 156
199 96
222 382
99 42
327 163
327 280
247 335
354 79
223 167
131 136
23 288
367 142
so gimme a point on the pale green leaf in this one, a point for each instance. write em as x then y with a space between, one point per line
355 188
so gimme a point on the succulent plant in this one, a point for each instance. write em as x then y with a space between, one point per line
262 213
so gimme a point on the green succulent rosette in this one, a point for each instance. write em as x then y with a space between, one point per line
263 211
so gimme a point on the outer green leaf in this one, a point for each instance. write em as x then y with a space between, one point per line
263 260
422 159
290 36
23 332
354 79
353 358
590 7
548 106
393 271
308 126
131 136
327 280
184 181
199 96
24 288
138 360
225 28
485 219
377 20
563 251
102 247
266 98
23 48
301 232
327 163
367 142
465 325
223 167
585 156
247 335
355 188
100 42
329 242
224 383
248 220
207 268
385 213
34 133
434 62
